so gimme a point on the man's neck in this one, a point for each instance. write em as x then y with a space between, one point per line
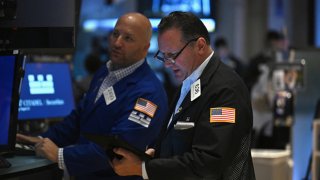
115 67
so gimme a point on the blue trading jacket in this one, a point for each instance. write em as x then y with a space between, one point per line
87 160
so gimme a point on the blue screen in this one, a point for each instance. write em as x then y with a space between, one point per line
7 64
201 8
46 91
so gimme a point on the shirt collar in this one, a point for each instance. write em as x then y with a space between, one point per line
123 72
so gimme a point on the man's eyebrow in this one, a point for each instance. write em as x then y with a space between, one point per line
130 34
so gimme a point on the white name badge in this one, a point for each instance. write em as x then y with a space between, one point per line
109 95
195 90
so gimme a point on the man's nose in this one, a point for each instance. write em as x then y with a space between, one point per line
168 64
118 41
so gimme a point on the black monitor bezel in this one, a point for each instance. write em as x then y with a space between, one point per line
18 74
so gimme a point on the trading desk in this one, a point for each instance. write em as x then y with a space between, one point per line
30 167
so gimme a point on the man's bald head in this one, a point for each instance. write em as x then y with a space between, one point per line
141 22
130 39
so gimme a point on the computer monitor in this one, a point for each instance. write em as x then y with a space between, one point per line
46 91
36 25
202 8
159 8
10 77
289 76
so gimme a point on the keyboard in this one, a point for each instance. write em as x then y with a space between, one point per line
4 163
24 149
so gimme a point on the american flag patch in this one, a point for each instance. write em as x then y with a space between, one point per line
146 107
223 114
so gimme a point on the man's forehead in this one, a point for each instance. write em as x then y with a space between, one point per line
171 33
129 28
125 31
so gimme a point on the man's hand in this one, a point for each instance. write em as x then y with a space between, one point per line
128 165
46 148
27 139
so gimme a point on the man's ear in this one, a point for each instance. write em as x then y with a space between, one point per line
201 45
147 46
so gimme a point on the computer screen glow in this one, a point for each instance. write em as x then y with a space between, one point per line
46 91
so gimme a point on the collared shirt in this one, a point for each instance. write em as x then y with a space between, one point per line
186 85
116 75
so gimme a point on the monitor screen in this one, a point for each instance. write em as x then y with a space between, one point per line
289 76
10 68
198 7
160 8
46 91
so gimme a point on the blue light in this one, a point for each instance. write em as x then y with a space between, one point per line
93 25
90 25
206 7
317 23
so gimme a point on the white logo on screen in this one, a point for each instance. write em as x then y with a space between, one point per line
41 85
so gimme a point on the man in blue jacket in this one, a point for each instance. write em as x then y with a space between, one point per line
125 98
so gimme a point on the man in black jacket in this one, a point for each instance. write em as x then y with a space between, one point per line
208 130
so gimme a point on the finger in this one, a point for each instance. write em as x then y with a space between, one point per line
150 151
121 151
38 145
21 137
115 161
39 152
46 140
27 139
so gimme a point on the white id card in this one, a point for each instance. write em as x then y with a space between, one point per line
109 95
195 90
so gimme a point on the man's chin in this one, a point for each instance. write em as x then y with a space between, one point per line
114 57
179 78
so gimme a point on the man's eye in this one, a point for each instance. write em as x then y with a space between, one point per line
170 55
115 34
128 38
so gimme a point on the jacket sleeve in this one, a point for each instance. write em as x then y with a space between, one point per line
88 157
67 131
